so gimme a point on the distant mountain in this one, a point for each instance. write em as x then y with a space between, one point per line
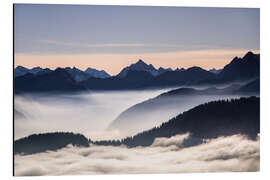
141 75
132 80
206 121
239 69
144 79
181 77
96 73
215 71
162 70
20 71
77 74
139 66
37 143
242 68
58 80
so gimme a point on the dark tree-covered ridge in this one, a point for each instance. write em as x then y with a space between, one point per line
37 143
174 101
206 121
209 120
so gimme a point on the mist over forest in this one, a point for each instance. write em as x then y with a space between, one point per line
223 154
78 112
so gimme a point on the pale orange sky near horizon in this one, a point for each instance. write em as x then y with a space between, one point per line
114 63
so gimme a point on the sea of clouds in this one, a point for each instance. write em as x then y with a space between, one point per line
165 155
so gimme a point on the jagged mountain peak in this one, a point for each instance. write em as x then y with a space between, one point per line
140 61
243 68
140 65
20 70
249 55
235 59
97 73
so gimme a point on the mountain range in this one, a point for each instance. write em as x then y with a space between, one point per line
138 76
58 80
77 74
20 71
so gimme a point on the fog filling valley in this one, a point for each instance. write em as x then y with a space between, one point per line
165 155
91 113
87 113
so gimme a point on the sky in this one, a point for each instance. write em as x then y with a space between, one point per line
113 37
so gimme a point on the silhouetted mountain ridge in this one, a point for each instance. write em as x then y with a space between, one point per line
239 69
77 74
58 80
20 71
96 73
173 101
206 121
141 75
140 65
37 143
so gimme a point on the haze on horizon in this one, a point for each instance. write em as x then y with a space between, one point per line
113 37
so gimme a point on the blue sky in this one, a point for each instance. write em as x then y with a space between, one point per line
84 29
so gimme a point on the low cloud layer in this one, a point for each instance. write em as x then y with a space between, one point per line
40 113
234 153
